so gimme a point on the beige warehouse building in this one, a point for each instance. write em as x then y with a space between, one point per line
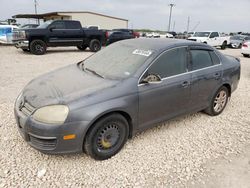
86 18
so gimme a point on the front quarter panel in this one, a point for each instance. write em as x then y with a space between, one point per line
122 99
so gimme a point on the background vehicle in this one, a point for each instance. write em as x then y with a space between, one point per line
211 38
118 34
236 41
29 26
123 89
245 49
58 33
6 32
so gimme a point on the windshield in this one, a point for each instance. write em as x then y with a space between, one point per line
237 37
117 61
201 34
45 24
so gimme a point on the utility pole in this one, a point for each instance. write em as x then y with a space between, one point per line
169 23
35 4
174 26
188 23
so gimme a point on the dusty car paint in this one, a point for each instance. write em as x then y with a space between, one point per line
90 97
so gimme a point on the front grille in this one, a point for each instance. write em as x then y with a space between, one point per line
18 35
26 108
44 144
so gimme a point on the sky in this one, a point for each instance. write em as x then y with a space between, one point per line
216 15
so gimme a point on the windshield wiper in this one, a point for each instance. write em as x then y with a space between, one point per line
92 71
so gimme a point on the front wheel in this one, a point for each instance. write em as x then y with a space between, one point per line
95 45
106 137
219 102
38 47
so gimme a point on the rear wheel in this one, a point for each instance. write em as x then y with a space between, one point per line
38 47
95 45
245 55
106 137
224 45
218 102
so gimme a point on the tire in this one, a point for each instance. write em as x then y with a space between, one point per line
94 45
82 47
38 47
106 137
224 45
245 55
216 108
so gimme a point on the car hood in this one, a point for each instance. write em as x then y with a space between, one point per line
63 86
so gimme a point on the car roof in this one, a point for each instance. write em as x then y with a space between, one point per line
159 43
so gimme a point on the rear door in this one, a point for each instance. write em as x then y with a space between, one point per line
214 39
206 76
74 33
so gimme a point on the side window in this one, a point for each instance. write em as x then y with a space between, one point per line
214 34
215 58
170 63
200 59
58 25
73 25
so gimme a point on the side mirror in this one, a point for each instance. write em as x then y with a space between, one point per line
152 79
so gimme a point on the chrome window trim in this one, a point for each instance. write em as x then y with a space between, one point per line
65 29
192 71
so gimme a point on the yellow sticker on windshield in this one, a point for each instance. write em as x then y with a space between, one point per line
142 52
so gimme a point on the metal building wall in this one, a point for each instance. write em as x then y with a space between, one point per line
88 19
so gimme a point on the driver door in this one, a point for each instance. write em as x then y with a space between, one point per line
213 39
171 96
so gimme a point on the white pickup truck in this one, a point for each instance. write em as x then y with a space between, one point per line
211 38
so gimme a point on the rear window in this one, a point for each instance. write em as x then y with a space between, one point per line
215 58
73 25
201 59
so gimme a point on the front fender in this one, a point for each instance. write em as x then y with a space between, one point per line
125 104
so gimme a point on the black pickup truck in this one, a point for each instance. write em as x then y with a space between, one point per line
58 33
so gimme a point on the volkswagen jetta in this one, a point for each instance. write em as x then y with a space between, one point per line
97 104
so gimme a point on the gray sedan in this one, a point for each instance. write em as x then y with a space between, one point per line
97 104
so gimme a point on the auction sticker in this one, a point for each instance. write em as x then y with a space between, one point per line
142 52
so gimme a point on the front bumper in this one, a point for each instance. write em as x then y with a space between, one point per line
49 138
234 45
22 44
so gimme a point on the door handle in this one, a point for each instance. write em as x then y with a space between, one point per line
185 84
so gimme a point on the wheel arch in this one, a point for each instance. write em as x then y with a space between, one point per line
228 86
104 114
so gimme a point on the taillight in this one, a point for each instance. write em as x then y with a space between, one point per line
245 45
107 34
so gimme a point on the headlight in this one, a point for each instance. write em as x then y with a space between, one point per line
54 114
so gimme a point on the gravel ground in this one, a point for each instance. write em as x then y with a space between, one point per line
191 151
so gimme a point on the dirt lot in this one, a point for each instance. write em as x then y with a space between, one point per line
192 151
